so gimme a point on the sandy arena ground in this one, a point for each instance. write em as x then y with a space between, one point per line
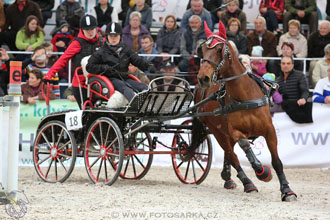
160 195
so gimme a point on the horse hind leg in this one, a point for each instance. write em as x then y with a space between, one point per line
262 172
226 175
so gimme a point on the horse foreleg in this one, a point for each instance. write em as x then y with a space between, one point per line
226 175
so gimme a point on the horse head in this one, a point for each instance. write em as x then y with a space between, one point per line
213 53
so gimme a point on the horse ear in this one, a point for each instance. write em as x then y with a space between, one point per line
222 30
208 32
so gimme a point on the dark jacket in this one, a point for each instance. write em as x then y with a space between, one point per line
116 58
189 42
316 44
127 37
45 5
168 41
16 19
308 6
69 11
239 14
27 92
268 43
239 40
103 18
146 13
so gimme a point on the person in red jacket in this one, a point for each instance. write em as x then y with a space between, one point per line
272 11
87 42
62 38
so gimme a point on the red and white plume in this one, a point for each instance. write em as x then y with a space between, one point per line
218 37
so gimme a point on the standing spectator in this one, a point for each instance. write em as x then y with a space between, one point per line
262 37
294 36
105 14
46 7
327 10
71 11
189 40
294 90
196 9
302 10
30 36
147 47
125 5
233 34
133 33
322 90
168 37
16 15
144 9
233 11
4 70
272 11
321 67
3 8
258 66
62 38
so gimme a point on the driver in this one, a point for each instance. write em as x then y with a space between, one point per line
113 59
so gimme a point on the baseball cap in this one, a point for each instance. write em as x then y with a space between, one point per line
167 64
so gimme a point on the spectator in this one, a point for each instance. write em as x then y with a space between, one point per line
233 34
16 15
68 94
87 42
287 50
327 10
133 33
4 70
258 66
214 7
113 59
46 7
30 36
168 37
262 37
194 64
125 5
62 38
321 67
189 40
245 60
71 11
294 36
105 14
272 11
144 9
31 91
322 90
3 8
276 97
52 58
147 47
233 11
196 9
294 90
302 10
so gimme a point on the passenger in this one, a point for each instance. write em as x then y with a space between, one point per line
113 59
87 42
168 83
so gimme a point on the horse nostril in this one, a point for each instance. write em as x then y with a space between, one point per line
206 79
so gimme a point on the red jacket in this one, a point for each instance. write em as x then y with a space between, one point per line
276 5
67 38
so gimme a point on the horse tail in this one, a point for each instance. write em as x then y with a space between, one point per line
199 132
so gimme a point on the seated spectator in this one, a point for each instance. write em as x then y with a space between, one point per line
146 13
287 50
276 97
31 91
168 83
321 67
322 89
233 11
147 47
294 36
258 66
4 70
294 90
62 38
68 94
196 9
16 15
302 10
168 37
49 50
30 36
188 42
125 5
233 34
105 14
133 33
261 36
194 65
46 7
3 8
245 60
72 12
139 74
272 11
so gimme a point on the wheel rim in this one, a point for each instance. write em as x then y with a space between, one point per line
136 165
195 170
54 152
103 151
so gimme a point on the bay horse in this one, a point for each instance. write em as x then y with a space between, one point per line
244 112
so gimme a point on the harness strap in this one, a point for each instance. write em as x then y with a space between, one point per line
231 78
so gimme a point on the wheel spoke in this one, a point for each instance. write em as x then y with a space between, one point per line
111 163
99 171
92 133
60 137
101 135
193 168
138 160
112 143
126 165
94 163
53 135
66 156
40 162
142 141
107 135
187 170
93 150
180 164
63 166
48 168
55 162
45 138
106 171
64 145
133 164
200 165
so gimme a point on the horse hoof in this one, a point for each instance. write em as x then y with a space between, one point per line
230 184
265 175
289 198
250 187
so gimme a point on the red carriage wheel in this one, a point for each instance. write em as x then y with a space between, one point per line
54 152
104 151
195 170
137 163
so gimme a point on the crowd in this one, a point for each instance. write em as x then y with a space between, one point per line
78 34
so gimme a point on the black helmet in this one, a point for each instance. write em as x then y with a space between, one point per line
88 22
113 28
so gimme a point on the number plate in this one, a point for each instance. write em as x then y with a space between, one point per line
73 120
